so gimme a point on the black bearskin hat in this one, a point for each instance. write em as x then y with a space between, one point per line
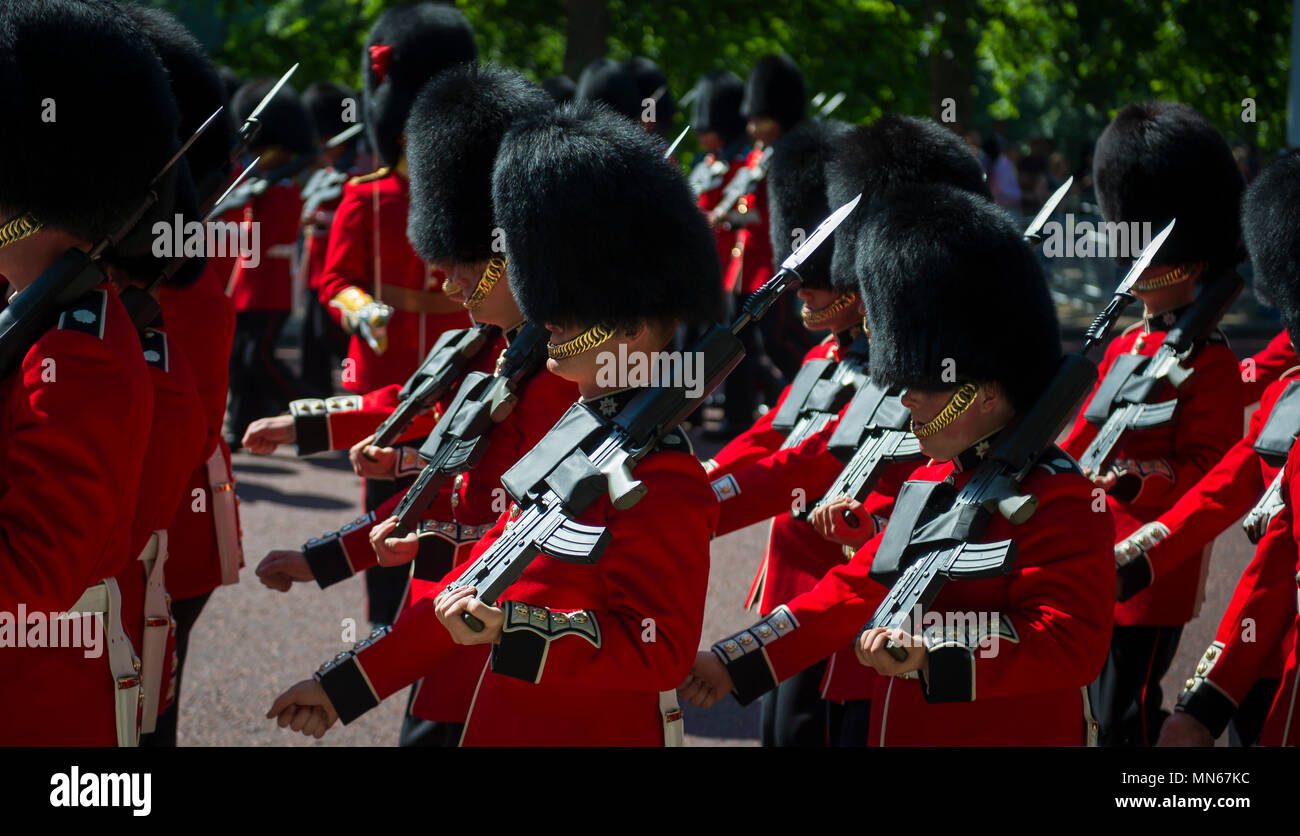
600 228
610 83
79 148
716 108
796 195
406 47
230 80
324 100
199 91
892 151
453 136
775 90
651 83
560 88
1162 160
950 285
285 122
1270 223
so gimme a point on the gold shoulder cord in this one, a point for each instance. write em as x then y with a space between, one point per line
813 319
19 228
957 404
586 341
496 268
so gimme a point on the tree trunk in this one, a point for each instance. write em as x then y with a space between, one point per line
587 30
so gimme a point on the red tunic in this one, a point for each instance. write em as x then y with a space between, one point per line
474 498
751 254
1051 613
1260 621
68 490
1177 455
722 233
265 282
362 249
1262 369
645 596
201 322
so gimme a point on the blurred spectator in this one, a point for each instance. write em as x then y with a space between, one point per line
1003 180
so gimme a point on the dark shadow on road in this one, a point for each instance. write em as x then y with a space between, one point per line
243 465
728 719
253 493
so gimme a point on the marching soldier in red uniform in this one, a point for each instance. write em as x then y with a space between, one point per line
973 357
455 130
774 103
610 83
716 120
1153 163
1265 367
261 285
324 343
570 659
764 466
68 485
374 283
202 537
1236 680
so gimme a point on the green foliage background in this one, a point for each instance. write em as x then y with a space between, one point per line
1046 67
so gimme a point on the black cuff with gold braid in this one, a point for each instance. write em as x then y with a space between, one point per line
1202 699
325 555
311 420
528 632
751 675
951 654
345 682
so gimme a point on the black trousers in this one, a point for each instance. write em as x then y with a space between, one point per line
324 345
1126 698
385 585
794 713
186 613
426 733
1248 722
848 724
260 384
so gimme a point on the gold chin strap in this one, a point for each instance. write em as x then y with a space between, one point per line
496 268
586 341
19 228
957 404
1173 275
814 319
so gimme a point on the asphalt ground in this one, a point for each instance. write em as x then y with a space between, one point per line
251 642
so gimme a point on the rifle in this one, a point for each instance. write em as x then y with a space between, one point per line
933 530
820 390
1273 445
248 130
875 430
72 275
441 368
930 536
256 187
743 182
1127 397
585 455
463 434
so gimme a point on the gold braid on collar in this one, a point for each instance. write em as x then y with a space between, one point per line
586 341
496 268
19 228
815 319
1173 275
957 404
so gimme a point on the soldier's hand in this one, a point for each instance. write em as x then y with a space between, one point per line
280 570
1182 729
707 683
832 522
871 651
371 462
393 551
265 434
1105 481
450 605
304 708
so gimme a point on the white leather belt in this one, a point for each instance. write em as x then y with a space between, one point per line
280 251
157 621
104 598
224 518
671 713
